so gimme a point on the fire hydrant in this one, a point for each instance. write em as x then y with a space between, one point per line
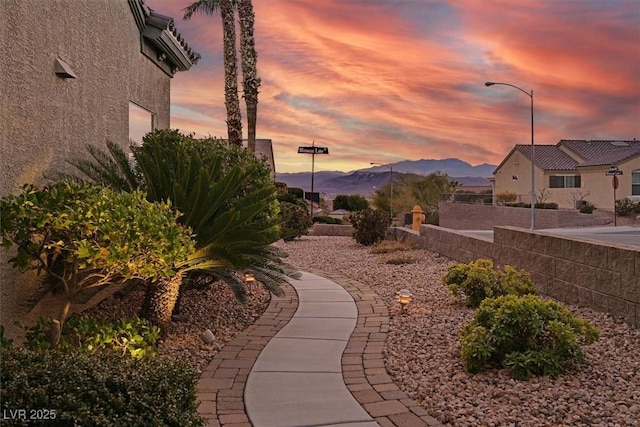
418 217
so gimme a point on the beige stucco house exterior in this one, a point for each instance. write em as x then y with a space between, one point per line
572 170
76 72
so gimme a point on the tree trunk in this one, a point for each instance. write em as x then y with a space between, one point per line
232 102
249 58
160 299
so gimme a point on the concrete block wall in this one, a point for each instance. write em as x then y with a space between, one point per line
466 216
601 276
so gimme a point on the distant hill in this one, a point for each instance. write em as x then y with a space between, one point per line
452 167
365 181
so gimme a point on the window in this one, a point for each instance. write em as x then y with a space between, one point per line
141 122
635 183
564 181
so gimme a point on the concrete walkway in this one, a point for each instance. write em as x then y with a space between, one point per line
314 358
297 379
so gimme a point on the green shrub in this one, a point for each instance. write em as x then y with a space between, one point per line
587 208
4 342
83 236
527 334
370 226
626 207
479 280
294 221
100 389
135 338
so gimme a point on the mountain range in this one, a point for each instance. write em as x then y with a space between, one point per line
365 181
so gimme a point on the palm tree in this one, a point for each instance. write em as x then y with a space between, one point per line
232 103
226 197
249 58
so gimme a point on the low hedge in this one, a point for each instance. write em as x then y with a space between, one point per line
100 389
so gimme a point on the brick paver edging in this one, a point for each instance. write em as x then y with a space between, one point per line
363 364
221 385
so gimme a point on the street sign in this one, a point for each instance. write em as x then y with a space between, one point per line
613 171
313 150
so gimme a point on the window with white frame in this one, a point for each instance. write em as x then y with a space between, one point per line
564 181
635 183
141 122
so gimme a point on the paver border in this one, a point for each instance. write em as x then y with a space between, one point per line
221 385
363 366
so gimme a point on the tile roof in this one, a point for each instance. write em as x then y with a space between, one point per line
590 153
602 152
549 157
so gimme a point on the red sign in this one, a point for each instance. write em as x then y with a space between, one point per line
615 182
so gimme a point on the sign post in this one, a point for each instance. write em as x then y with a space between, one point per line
313 150
613 172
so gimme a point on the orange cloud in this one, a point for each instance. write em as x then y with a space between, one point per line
389 80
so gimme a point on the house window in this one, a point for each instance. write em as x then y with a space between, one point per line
564 181
141 122
635 183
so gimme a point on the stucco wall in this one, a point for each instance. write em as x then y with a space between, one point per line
46 119
601 276
595 185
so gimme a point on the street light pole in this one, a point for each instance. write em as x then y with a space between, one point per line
533 173
391 184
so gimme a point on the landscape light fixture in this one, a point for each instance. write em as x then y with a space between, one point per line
404 297
249 277
533 173
391 184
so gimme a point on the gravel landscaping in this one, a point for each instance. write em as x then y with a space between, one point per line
422 352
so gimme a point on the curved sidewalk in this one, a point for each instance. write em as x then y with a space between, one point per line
313 359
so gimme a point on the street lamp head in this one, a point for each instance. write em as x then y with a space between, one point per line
489 83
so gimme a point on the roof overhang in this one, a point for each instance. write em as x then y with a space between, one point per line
160 41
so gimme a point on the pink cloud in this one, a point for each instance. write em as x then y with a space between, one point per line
383 80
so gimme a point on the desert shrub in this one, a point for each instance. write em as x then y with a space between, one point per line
388 246
323 219
505 197
626 207
294 221
101 389
350 202
528 335
296 192
370 226
587 208
543 205
479 280
400 259
132 337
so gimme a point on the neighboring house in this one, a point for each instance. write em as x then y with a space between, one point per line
77 72
572 170
264 149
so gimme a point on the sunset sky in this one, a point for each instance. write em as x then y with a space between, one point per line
391 80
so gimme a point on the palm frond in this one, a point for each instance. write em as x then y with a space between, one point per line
207 7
